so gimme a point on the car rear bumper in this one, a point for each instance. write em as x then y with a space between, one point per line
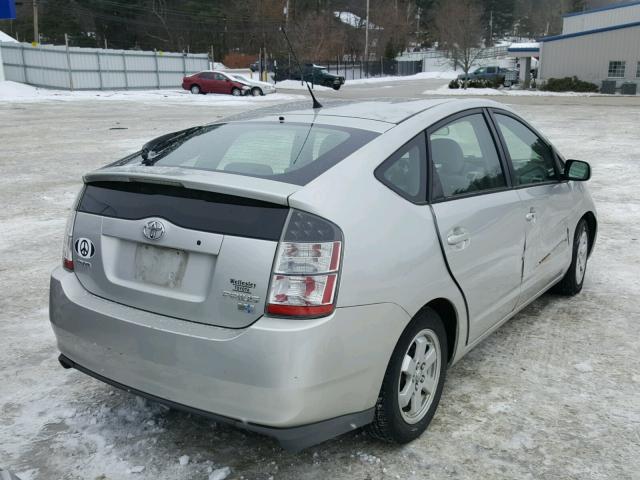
299 381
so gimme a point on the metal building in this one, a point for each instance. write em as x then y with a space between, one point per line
596 46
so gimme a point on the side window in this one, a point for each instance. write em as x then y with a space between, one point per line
465 158
491 69
532 159
219 76
206 76
405 171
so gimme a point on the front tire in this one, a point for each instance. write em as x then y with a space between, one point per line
256 92
571 283
413 382
236 92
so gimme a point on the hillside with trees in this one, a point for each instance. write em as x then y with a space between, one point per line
320 29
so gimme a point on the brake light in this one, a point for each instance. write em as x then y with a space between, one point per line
67 246
306 270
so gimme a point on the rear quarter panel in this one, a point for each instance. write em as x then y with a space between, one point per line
391 249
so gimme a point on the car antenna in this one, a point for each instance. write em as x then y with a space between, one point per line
316 103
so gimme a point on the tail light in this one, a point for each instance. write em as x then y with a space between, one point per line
67 246
306 270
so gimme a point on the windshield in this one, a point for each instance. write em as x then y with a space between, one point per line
241 78
287 152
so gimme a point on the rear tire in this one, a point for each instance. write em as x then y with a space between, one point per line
195 89
336 87
412 377
571 283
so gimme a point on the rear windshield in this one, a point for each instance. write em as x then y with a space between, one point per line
287 152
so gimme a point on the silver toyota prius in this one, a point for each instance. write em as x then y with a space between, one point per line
306 273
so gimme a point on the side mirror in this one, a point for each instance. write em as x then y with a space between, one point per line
577 171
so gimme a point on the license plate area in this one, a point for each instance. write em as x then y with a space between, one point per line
161 266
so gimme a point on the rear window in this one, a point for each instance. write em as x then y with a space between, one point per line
287 152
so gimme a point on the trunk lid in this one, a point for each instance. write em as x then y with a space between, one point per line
198 249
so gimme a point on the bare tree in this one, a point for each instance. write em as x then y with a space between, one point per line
459 25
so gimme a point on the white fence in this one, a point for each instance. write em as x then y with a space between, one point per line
77 68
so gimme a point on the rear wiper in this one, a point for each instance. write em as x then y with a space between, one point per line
164 145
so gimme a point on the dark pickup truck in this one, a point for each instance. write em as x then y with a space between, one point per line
314 74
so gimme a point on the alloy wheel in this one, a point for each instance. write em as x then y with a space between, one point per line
581 256
419 376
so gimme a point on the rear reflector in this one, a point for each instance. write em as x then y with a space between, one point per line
305 274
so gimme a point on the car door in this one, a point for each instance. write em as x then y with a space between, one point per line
491 73
546 203
478 217
221 83
205 79
479 73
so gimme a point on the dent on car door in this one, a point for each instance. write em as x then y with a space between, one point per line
546 204
478 218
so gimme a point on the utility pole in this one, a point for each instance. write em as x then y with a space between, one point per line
36 33
491 29
366 40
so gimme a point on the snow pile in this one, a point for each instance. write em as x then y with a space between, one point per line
354 20
18 92
482 92
448 75
220 473
298 85
13 90
6 38
183 460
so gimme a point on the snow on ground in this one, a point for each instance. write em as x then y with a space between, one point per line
552 394
298 85
447 75
19 92
482 92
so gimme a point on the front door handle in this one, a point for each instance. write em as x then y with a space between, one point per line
459 238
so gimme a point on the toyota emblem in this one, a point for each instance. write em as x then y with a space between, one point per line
153 230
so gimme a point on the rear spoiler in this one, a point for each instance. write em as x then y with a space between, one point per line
217 182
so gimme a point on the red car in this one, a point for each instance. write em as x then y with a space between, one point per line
213 82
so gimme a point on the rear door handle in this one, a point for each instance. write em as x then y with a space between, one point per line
458 237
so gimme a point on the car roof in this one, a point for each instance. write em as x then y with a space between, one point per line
390 112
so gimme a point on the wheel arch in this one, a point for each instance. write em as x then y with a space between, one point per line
449 316
592 231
